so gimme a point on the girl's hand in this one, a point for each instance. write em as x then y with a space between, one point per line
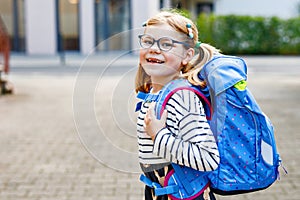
153 125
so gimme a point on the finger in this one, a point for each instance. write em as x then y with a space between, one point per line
164 115
147 118
151 110
152 105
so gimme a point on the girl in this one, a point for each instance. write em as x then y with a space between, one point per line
182 135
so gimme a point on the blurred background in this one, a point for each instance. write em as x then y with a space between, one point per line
67 70
52 26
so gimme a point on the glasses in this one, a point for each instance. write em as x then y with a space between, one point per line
164 43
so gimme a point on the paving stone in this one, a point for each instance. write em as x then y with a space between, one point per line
43 156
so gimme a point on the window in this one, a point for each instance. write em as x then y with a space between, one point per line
112 22
68 29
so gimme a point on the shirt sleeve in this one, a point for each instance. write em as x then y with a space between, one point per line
187 138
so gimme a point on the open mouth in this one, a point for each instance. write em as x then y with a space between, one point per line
154 60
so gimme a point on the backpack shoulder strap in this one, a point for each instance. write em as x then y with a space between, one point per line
147 97
223 72
181 84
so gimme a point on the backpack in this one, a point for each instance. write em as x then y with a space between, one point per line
245 136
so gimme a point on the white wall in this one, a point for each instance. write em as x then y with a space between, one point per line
279 8
141 10
40 27
87 26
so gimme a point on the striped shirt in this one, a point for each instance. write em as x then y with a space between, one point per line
186 139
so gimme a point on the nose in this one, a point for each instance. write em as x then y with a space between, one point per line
155 47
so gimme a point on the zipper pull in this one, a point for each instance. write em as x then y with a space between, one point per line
281 165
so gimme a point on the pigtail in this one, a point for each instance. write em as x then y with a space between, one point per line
142 81
191 71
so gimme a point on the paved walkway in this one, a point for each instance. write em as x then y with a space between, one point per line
67 137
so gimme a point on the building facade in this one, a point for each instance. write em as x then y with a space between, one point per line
53 26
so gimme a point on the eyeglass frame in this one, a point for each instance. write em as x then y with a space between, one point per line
157 41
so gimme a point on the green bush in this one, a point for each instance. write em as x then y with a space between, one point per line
250 35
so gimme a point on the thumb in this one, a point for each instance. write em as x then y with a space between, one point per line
151 110
164 115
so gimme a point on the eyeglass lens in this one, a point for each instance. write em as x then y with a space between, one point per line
164 43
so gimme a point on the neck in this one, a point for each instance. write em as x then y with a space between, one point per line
159 82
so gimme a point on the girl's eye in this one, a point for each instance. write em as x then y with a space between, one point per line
166 43
148 41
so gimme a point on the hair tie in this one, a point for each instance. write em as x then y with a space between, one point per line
197 45
190 31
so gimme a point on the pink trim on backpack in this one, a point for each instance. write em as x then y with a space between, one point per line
189 198
191 89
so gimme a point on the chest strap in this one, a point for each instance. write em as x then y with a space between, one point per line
146 97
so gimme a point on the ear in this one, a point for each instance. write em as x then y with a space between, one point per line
188 57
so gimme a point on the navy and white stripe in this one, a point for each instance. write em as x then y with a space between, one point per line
186 139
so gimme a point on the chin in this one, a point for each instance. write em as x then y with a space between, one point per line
154 72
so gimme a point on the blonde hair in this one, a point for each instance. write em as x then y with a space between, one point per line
189 71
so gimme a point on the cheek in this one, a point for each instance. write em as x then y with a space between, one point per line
175 62
142 54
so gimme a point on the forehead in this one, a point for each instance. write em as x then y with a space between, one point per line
163 30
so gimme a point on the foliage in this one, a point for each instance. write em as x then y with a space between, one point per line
250 35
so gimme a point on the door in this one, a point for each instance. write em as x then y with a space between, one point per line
67 25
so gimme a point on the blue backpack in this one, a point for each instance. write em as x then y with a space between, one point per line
249 159
248 156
